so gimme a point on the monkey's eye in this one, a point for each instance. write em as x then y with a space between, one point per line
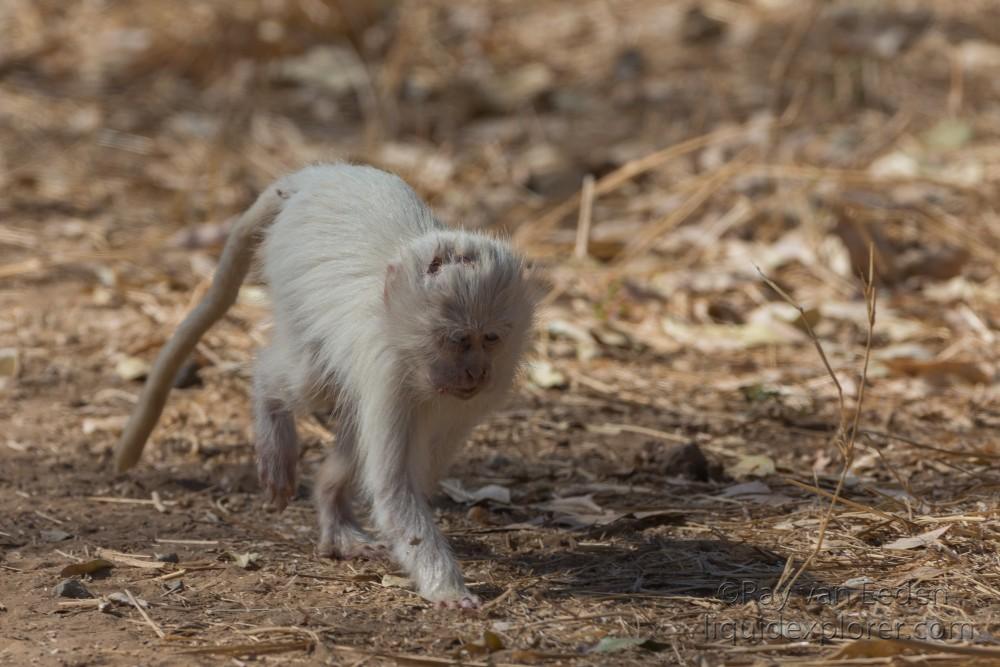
434 266
491 338
461 340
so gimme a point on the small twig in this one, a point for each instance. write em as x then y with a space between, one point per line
616 429
50 518
157 502
69 556
567 619
580 251
73 604
165 540
129 501
129 560
149 621
500 598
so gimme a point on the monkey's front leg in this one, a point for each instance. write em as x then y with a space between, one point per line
406 522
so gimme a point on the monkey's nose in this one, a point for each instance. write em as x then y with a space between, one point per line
477 373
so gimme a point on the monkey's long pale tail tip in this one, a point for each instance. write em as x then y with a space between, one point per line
124 457
129 448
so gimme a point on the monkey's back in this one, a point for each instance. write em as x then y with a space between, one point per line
326 254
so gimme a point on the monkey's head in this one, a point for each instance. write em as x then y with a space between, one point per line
460 308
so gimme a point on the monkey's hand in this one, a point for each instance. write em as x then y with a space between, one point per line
277 470
452 597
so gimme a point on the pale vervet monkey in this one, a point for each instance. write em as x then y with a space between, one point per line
413 331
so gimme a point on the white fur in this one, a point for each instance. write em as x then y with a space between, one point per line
341 334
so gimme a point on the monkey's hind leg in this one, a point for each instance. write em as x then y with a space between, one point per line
275 439
340 536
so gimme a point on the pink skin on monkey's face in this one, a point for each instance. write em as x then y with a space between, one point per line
464 364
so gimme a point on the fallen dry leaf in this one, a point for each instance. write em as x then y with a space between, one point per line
247 561
543 374
939 372
453 489
752 465
922 540
86 567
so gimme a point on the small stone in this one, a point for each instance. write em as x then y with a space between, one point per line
174 586
72 588
167 557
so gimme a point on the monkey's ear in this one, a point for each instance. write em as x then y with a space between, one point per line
536 285
393 273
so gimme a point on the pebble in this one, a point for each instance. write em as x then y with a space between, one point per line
72 588
131 368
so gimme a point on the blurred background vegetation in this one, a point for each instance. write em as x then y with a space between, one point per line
651 155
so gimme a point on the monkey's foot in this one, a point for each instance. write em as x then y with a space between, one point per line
465 603
277 474
351 544
460 599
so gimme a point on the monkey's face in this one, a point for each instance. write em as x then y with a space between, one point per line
460 308
464 364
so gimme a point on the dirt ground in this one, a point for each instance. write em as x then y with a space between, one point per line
691 472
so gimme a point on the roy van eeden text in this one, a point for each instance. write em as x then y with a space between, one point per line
865 593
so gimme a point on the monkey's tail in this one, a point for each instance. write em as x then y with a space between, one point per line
237 257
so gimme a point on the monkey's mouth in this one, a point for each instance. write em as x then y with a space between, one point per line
463 394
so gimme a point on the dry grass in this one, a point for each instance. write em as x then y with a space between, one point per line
723 464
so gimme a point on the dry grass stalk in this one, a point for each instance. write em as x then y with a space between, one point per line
710 185
611 181
789 50
844 437
262 648
978 454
